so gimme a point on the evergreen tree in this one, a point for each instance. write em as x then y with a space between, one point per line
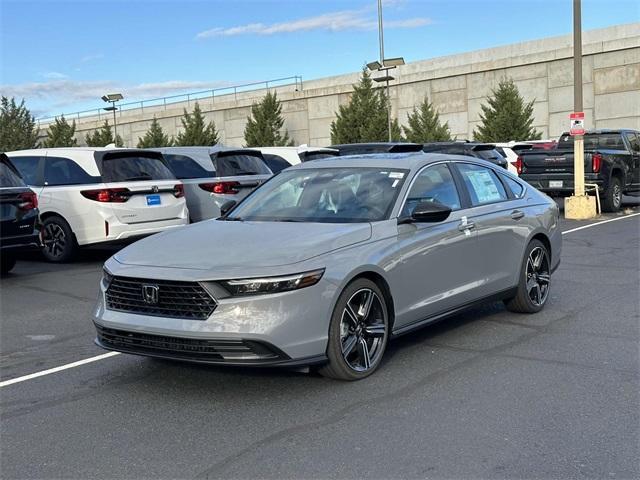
424 125
17 126
507 117
196 133
364 118
103 137
155 137
61 134
264 126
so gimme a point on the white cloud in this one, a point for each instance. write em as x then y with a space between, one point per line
60 94
91 57
54 75
333 22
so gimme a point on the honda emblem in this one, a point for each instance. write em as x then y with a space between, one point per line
150 294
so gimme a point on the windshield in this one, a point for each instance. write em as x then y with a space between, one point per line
231 165
130 168
325 195
185 167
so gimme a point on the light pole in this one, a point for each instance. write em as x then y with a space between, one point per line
113 98
384 65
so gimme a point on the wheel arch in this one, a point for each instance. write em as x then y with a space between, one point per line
371 273
542 237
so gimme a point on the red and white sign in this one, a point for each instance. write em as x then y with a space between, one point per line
577 123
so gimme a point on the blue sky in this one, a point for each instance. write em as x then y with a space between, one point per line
62 56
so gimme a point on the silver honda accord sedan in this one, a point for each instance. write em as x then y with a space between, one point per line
326 262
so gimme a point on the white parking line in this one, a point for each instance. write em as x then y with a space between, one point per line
112 354
58 369
599 223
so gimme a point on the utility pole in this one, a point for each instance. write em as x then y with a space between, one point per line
578 141
579 206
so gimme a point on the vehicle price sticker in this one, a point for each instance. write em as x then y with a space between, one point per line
484 187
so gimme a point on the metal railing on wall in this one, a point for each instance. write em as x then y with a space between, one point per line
168 101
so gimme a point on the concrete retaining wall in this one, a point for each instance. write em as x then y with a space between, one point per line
457 85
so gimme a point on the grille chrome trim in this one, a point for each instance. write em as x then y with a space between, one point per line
175 299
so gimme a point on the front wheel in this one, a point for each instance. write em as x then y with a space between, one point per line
7 262
535 280
358 332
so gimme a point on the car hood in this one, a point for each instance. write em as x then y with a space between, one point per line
220 246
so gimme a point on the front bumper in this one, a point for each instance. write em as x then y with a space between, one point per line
289 328
210 351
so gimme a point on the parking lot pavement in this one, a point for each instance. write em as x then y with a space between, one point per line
485 394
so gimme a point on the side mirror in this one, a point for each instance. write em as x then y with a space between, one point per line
430 212
227 206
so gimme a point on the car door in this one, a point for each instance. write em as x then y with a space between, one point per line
497 215
633 139
436 264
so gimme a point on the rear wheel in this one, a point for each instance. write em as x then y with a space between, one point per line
7 262
535 278
59 242
358 332
612 196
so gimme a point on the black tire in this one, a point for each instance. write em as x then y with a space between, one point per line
612 196
7 262
531 299
59 241
367 332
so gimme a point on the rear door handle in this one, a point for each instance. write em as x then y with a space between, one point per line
466 226
517 214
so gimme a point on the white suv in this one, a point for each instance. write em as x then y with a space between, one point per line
279 158
96 195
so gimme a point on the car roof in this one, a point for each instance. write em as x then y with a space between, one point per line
378 147
405 161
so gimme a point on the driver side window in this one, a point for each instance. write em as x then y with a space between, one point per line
433 184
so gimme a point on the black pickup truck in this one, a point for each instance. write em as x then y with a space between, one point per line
611 160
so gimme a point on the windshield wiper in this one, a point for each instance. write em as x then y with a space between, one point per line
288 220
231 219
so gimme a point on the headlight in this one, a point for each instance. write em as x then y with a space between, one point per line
107 277
256 286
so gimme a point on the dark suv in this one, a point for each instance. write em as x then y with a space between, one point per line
484 151
20 224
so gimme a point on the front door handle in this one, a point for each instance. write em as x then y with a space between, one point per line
517 214
466 226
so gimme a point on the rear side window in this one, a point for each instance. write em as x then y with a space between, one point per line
64 171
9 178
516 187
604 141
132 168
482 183
185 167
489 154
275 162
28 168
239 164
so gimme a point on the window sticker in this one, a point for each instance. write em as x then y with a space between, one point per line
484 186
398 175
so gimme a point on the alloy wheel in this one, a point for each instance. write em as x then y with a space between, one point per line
538 276
54 239
363 330
617 195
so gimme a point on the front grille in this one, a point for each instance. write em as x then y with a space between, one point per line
188 348
186 300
